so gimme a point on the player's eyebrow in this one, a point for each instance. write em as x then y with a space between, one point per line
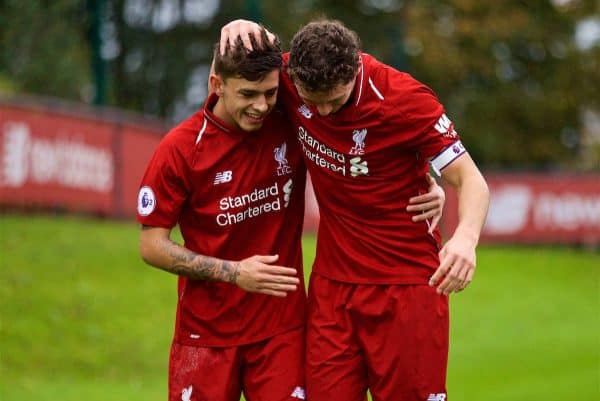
311 101
253 92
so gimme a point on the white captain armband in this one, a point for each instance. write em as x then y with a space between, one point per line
447 156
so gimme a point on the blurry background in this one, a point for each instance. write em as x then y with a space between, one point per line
87 88
520 79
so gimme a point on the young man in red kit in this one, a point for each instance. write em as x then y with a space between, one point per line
378 294
234 183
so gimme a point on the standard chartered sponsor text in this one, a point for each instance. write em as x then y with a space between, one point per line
249 203
313 149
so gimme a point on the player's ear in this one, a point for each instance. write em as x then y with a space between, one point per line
215 84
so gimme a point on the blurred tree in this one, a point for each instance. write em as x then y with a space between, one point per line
43 47
511 76
96 16
518 78
162 52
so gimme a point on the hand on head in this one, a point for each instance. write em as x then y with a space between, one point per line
243 29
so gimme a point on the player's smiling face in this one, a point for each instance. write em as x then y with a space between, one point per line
328 102
245 104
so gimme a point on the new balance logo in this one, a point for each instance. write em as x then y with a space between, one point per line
299 393
437 397
305 111
358 167
222 177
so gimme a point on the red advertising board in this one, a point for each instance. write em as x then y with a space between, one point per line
136 149
92 161
538 208
79 161
48 160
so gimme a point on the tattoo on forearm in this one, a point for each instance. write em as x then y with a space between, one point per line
232 271
187 263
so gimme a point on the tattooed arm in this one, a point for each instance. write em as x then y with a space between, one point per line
254 274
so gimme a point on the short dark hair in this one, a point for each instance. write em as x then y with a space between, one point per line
324 54
253 65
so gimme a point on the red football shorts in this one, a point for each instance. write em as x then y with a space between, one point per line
269 370
390 339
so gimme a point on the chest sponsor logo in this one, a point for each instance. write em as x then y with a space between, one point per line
320 154
358 167
287 192
437 397
223 177
279 154
237 209
327 158
305 111
358 136
445 127
146 201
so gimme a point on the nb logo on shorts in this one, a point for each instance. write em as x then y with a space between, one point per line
222 177
437 397
186 394
299 393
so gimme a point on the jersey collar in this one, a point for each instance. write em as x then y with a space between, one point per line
360 104
209 105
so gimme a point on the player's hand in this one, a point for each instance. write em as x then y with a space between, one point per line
258 274
243 29
429 205
457 266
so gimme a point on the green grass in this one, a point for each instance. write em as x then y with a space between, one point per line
82 318
528 328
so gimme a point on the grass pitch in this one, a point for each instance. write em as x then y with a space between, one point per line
82 318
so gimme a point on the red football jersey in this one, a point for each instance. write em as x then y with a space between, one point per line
234 194
365 162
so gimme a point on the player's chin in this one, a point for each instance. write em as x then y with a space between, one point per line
252 124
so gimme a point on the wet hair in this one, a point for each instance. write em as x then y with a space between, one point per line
323 55
238 62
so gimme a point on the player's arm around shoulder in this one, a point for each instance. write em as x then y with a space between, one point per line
254 274
457 257
429 205
395 87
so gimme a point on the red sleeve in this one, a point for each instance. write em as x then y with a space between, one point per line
412 109
163 189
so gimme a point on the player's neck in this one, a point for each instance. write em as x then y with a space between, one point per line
221 113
